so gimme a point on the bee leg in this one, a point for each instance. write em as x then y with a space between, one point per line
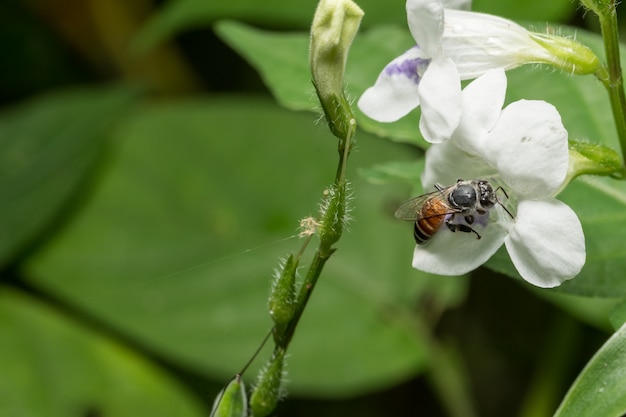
469 219
462 228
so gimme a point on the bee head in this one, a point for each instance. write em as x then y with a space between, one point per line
487 196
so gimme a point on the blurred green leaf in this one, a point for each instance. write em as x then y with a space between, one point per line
165 250
397 171
54 367
536 10
599 389
47 147
282 61
178 16
618 315
281 58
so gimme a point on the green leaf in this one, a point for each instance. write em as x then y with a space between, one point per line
177 246
56 368
599 389
282 61
536 10
47 148
178 16
618 315
396 171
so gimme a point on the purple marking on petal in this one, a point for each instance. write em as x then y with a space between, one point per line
410 68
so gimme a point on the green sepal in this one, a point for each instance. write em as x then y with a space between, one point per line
592 159
231 401
268 390
282 299
568 54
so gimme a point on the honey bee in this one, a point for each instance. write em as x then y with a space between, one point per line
466 198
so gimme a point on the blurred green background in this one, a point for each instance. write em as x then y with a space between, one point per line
150 183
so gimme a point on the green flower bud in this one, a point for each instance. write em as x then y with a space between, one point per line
334 26
282 300
231 401
566 54
268 390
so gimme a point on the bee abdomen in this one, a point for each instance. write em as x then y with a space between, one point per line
429 221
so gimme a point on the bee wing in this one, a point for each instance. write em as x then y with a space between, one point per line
409 209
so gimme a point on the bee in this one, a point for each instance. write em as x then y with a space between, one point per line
466 198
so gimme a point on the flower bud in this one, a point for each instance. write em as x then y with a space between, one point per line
231 401
334 25
282 300
268 390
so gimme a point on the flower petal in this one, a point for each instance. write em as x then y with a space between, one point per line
458 253
528 146
440 98
394 94
478 42
446 163
425 18
546 245
482 102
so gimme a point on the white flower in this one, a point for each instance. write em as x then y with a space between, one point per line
523 149
454 45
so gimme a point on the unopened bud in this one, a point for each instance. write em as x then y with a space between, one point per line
334 26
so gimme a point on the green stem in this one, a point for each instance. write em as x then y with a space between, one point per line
283 335
611 76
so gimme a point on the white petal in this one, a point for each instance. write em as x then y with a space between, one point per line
482 102
457 253
440 98
395 92
446 163
546 245
478 42
528 146
425 18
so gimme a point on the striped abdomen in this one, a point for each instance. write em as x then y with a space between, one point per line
430 218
